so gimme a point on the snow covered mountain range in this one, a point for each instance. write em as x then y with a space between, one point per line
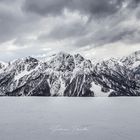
64 74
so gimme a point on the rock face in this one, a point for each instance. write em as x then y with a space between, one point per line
71 75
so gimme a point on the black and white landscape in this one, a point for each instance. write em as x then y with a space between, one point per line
57 57
64 74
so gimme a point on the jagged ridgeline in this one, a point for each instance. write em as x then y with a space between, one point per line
64 74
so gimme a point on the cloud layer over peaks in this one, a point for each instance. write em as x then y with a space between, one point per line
33 27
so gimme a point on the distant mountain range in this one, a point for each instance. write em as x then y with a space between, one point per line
64 74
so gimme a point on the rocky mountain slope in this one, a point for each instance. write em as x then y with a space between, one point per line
71 75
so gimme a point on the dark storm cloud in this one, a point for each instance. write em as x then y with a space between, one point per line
90 7
13 21
65 31
133 3
126 35
45 7
95 9
8 20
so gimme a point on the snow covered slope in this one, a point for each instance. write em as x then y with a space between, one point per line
64 74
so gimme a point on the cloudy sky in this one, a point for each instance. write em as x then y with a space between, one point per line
94 28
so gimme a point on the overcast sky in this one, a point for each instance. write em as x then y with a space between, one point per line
94 28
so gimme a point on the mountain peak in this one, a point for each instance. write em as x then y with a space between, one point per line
62 61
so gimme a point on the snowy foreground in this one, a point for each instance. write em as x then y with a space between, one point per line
58 118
